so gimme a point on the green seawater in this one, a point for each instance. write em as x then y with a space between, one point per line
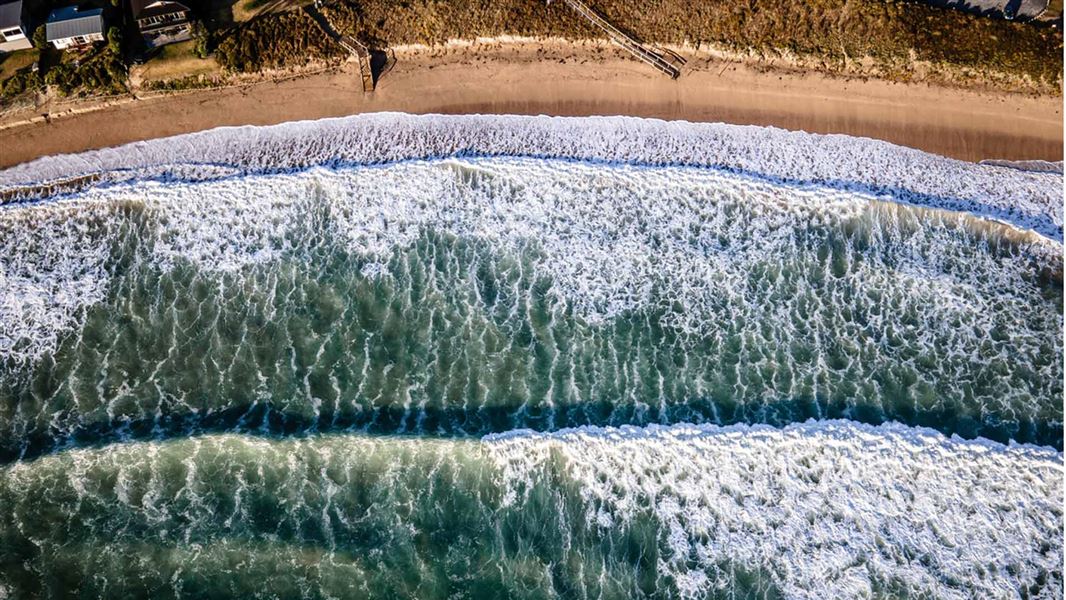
276 387
453 335
668 513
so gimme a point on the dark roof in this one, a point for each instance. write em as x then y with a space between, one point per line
69 21
11 14
152 8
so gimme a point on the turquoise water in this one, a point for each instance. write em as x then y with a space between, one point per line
352 333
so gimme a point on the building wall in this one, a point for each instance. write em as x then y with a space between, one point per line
64 43
162 37
15 44
12 34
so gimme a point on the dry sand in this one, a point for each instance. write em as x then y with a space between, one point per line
578 79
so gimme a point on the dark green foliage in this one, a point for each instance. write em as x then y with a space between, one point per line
114 40
203 39
40 38
23 81
101 73
60 76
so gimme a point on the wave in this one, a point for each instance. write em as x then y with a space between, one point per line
462 297
1028 200
813 510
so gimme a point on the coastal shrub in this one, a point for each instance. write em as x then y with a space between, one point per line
114 40
62 78
101 73
203 39
287 39
893 34
23 81
40 38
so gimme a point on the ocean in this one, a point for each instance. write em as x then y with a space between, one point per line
391 356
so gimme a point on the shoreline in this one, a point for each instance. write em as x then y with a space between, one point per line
575 79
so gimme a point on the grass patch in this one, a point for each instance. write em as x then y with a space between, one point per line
13 62
177 61
1054 10
244 10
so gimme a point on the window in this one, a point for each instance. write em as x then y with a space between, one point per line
167 18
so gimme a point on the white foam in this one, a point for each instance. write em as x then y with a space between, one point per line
52 265
1027 200
828 509
824 509
614 238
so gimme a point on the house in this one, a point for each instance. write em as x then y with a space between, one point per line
162 21
71 27
13 29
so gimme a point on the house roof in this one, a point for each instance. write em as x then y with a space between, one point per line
11 14
151 8
69 22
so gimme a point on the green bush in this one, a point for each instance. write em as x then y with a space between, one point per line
102 73
22 81
40 38
114 40
203 39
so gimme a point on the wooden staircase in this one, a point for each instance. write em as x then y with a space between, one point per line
352 45
630 43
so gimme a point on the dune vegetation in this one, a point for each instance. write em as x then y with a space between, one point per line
889 38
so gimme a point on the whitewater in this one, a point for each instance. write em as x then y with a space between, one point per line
430 356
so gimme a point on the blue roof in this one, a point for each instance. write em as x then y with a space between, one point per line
69 22
72 12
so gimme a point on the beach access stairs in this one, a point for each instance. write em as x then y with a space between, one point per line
355 48
657 60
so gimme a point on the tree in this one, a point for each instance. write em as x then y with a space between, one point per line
203 39
63 78
40 38
114 40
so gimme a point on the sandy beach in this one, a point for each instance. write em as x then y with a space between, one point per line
525 77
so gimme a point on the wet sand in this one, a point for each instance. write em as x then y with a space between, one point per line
578 79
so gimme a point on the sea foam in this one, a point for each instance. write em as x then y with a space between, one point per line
831 509
764 293
814 510
1030 200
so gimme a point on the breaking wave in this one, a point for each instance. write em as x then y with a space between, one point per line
480 295
817 510
1030 200
420 357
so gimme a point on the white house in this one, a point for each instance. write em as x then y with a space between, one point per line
162 21
12 28
69 27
